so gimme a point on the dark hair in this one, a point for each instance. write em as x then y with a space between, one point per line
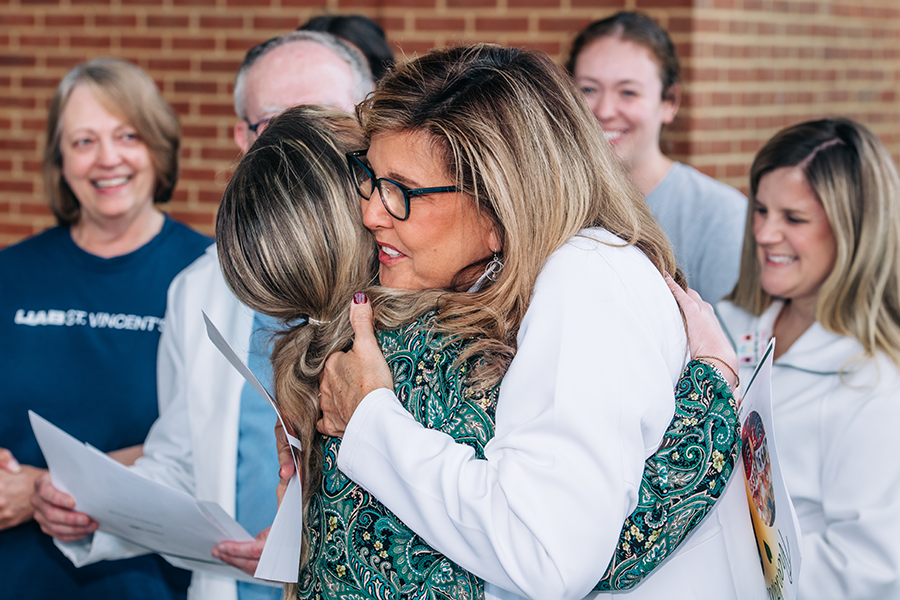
638 28
362 32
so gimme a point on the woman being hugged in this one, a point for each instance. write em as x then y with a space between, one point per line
821 273
293 246
482 155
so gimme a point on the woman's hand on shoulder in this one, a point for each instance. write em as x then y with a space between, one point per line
708 341
350 376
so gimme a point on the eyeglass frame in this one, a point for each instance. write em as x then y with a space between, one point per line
254 127
353 159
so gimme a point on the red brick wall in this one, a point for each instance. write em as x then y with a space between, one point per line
751 67
756 66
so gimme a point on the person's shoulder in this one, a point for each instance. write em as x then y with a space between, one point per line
204 267
887 373
592 238
704 188
865 387
594 244
874 376
176 247
177 233
201 281
596 254
32 248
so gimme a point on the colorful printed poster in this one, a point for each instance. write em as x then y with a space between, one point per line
775 524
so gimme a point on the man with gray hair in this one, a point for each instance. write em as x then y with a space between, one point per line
213 438
300 67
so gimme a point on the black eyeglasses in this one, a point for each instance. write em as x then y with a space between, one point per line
395 196
255 127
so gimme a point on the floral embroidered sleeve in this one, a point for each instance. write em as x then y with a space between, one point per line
682 480
359 549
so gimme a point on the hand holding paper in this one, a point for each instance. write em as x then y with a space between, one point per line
280 559
243 555
55 512
124 504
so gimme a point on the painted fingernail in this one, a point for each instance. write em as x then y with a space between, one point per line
360 298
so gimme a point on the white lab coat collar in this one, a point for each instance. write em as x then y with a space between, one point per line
817 351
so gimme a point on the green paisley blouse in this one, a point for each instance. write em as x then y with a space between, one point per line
360 551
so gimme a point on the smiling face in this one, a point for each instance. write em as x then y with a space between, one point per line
104 162
621 82
445 234
795 244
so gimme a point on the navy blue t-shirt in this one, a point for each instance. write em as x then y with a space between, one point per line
78 343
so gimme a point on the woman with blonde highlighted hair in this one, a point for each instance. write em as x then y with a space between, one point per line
821 273
491 191
293 246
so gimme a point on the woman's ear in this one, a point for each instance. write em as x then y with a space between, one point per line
493 240
671 103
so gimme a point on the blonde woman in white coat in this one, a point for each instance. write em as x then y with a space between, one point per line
821 273
580 301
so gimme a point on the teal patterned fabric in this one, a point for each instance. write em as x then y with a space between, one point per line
359 550
682 480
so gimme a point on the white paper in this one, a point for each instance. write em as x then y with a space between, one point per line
280 560
772 513
224 347
139 510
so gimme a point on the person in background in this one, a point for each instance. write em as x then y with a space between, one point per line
363 33
627 68
82 307
820 273
214 435
299 67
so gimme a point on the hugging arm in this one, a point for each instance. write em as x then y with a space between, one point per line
567 449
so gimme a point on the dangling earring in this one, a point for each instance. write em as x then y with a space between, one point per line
490 272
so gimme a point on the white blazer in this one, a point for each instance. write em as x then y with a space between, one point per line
193 444
585 401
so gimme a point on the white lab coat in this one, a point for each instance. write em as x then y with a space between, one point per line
586 400
836 440
193 444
